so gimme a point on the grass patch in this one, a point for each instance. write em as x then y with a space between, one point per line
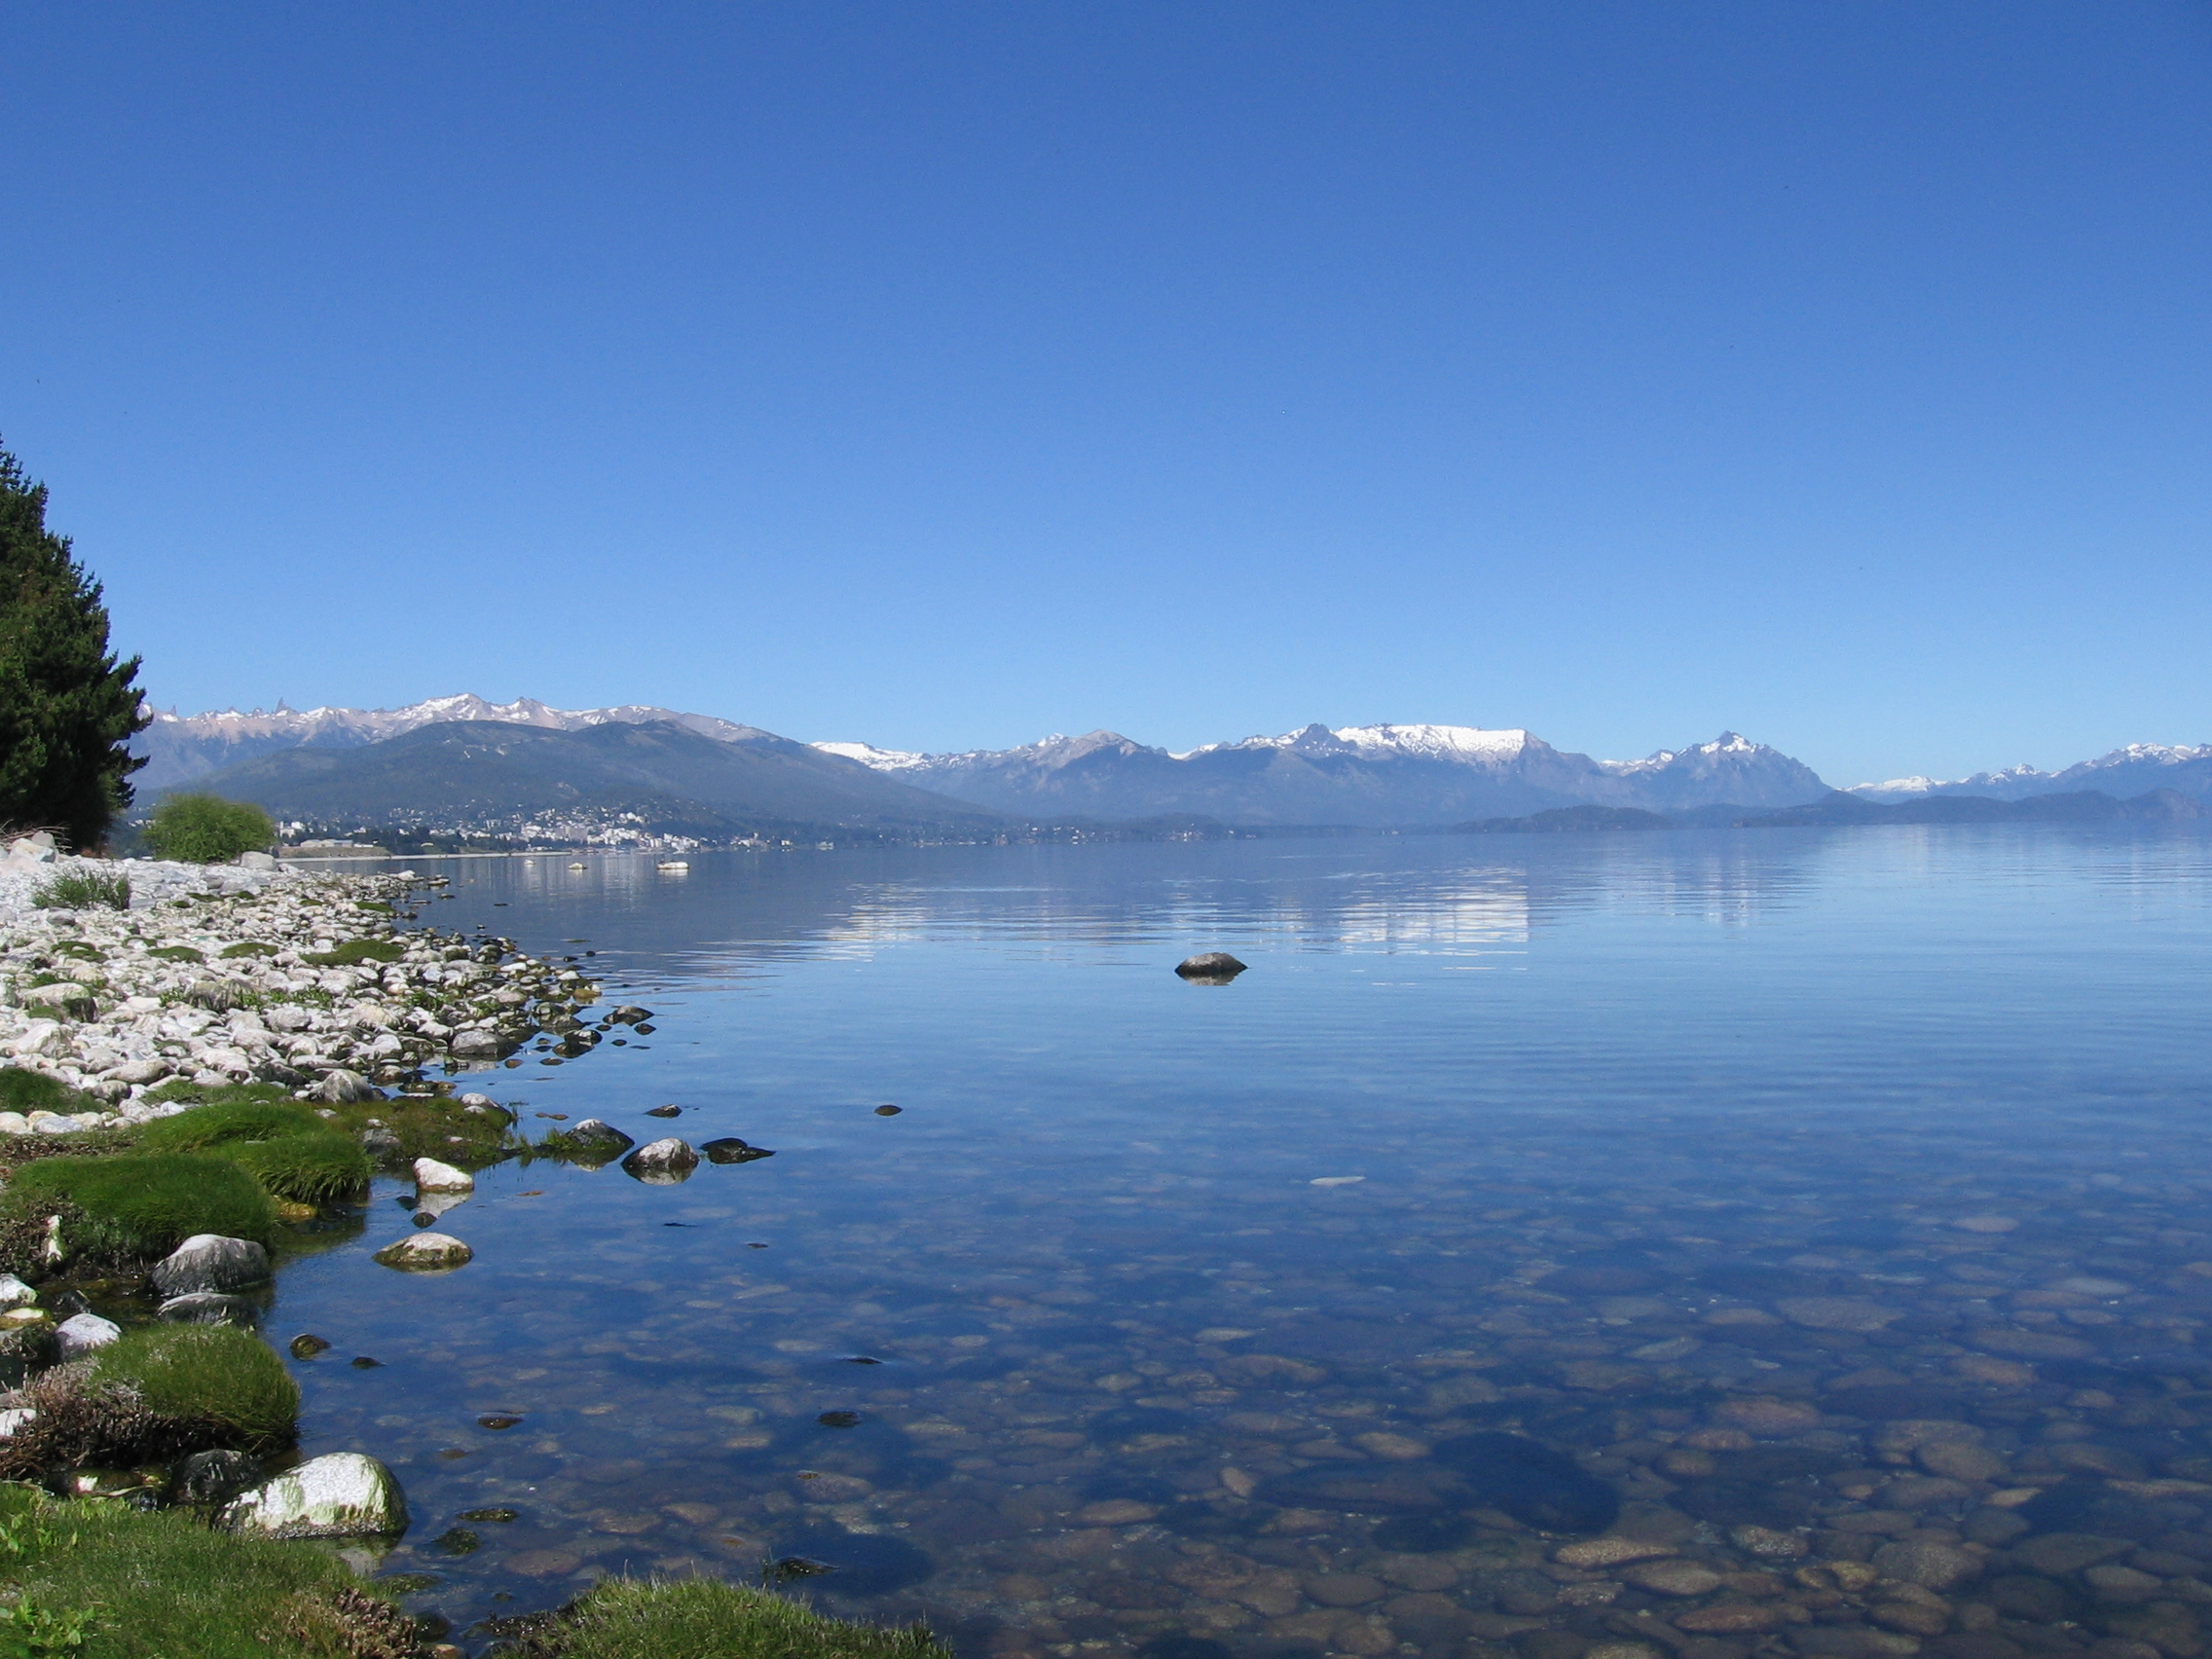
376 905
82 890
247 948
354 952
699 1618
292 1152
207 1373
25 1090
177 953
163 1586
80 950
141 1206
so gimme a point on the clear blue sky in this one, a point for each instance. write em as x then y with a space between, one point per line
944 375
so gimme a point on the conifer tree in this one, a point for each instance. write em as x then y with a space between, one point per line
67 707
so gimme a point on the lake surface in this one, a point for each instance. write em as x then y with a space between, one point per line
1848 1187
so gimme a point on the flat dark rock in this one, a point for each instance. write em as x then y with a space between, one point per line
728 1149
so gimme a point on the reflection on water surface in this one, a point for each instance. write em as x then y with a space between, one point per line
1660 1244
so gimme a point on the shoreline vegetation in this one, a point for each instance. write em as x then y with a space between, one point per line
201 1068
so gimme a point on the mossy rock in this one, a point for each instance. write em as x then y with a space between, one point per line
80 950
247 948
179 954
140 1206
377 906
354 952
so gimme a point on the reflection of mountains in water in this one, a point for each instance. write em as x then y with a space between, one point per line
1387 896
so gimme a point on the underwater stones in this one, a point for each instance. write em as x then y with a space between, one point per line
865 1564
1851 1314
1535 1485
431 1176
426 1253
669 1160
1209 968
728 1149
210 1262
1588 1553
208 1307
82 1332
1671 1578
1931 1565
342 1494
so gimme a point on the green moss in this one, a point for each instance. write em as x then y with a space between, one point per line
141 1206
698 1618
247 948
207 1373
221 1122
284 1146
80 950
164 1586
356 951
222 1093
377 904
177 953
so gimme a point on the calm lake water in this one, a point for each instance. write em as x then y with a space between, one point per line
1755 1200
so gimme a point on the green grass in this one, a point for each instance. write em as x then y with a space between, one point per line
210 1373
177 953
306 1169
284 1146
354 952
25 1090
164 1586
146 1204
80 950
247 948
699 1618
82 890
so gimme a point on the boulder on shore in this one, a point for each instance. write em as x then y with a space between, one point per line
342 1494
82 1332
426 1253
431 1176
210 1262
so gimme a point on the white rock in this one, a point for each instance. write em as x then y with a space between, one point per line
14 1124
426 1253
340 1495
15 1293
256 861
82 1332
209 1261
13 1418
431 1176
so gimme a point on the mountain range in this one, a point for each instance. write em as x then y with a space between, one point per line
462 760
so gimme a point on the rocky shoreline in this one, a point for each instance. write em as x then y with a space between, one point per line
221 974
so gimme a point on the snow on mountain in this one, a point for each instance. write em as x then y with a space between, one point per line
2126 771
879 759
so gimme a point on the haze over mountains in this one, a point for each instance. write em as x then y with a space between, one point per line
462 761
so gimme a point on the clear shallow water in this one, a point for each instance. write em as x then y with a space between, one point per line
1710 1162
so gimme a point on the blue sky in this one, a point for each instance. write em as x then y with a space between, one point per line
946 374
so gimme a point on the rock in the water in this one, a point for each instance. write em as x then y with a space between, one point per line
207 1260
431 1176
15 1293
426 1253
208 1307
670 1159
728 1149
598 1136
82 1332
476 1043
342 1088
630 1015
214 1477
664 1111
340 1495
1212 967
1531 1482
307 1345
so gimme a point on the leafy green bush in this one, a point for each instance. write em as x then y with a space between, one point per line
212 1374
82 890
144 1205
307 1169
356 951
205 828
699 1618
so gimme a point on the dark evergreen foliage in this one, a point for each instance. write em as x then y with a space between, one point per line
67 707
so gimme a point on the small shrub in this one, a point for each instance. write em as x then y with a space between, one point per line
356 951
304 1170
207 1373
205 828
137 1206
82 890
248 947
177 953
